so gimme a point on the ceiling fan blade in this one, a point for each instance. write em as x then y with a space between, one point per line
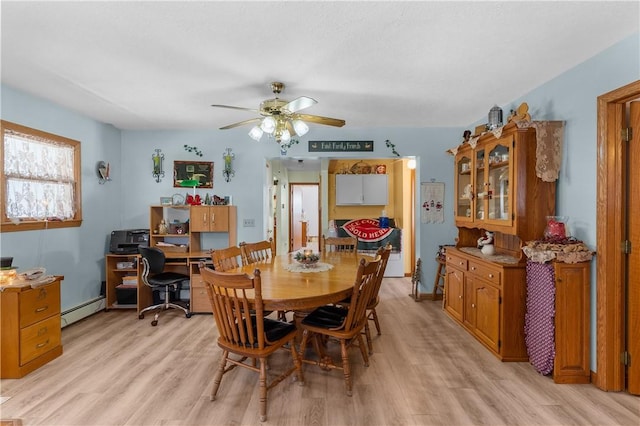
300 103
241 123
235 107
290 128
321 120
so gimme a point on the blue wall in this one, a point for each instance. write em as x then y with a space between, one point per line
78 253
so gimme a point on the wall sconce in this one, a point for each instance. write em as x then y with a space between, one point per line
158 170
102 169
228 171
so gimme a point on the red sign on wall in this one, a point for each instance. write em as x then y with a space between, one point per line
367 230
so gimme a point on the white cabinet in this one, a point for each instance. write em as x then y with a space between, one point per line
362 190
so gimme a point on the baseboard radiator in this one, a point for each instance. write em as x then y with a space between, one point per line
82 311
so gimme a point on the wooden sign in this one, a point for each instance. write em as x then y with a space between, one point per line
340 146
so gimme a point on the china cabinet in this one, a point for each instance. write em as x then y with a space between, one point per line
497 190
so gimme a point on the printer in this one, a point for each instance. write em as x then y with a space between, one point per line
127 241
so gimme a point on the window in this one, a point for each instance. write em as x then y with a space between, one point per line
41 180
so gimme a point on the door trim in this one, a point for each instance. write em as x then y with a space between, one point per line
610 229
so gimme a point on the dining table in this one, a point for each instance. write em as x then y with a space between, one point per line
288 285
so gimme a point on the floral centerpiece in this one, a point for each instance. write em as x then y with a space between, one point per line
306 258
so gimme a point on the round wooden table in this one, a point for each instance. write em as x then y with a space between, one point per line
299 291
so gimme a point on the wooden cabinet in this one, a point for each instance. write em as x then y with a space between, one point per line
572 334
212 218
199 298
124 286
369 189
30 327
496 187
186 224
489 300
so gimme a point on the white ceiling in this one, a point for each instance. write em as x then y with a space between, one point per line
159 65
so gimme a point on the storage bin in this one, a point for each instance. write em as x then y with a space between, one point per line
126 295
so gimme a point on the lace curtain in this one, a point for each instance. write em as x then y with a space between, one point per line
39 176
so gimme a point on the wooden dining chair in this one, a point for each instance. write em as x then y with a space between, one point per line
227 258
339 244
384 254
259 251
244 334
344 324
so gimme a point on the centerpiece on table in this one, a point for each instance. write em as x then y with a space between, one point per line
307 258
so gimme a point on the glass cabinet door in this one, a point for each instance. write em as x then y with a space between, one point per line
499 207
464 191
481 186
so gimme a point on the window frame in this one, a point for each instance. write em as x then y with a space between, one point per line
9 225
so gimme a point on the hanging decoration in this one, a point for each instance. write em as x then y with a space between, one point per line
158 171
432 197
228 171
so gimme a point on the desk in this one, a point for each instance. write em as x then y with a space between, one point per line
299 291
186 263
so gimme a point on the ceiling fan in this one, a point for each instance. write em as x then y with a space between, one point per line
280 118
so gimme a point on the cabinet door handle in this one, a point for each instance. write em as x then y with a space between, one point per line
460 297
213 217
490 275
461 263
473 268
204 217
473 305
42 309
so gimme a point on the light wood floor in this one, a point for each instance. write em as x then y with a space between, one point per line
118 370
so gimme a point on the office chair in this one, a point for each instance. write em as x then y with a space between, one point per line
153 275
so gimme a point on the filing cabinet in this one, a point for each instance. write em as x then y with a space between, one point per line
30 327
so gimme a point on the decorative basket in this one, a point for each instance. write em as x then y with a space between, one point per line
174 249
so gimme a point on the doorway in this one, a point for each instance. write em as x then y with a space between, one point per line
617 271
304 216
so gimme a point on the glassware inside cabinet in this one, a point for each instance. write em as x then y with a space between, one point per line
499 207
465 188
481 185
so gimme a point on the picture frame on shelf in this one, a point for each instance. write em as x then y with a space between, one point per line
166 201
198 172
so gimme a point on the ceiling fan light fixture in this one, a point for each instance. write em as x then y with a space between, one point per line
256 133
268 125
300 127
285 136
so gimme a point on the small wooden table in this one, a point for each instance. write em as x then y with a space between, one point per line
300 291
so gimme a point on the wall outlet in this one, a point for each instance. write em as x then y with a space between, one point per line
248 222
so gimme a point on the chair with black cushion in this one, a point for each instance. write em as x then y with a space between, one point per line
168 283
245 333
345 324
339 244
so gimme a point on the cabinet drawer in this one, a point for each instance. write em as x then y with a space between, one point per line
456 261
39 338
200 300
484 272
39 303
